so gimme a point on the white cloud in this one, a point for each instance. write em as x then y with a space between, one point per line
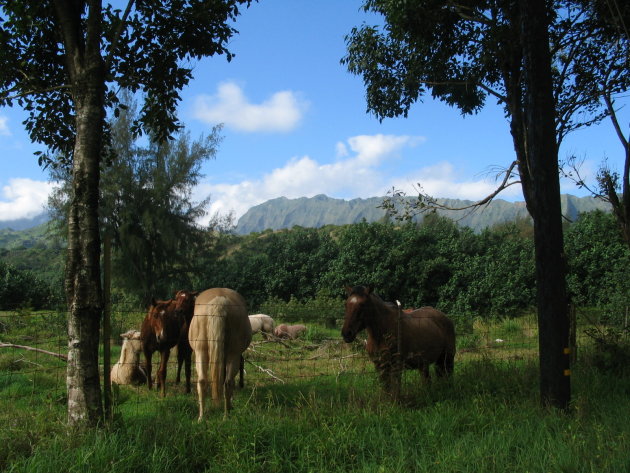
357 175
371 149
24 198
281 112
4 126
443 180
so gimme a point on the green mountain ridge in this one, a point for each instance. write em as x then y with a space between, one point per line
321 210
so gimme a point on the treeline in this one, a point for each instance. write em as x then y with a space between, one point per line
438 263
435 263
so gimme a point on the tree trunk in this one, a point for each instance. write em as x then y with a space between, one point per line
544 202
84 66
83 286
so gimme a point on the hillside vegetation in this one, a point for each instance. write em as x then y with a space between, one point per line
437 262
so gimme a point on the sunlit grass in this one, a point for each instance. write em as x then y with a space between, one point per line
315 405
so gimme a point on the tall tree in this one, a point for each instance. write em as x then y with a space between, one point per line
607 74
544 204
466 52
147 207
62 60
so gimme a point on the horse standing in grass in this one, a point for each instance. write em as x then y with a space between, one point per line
219 333
262 323
165 326
398 339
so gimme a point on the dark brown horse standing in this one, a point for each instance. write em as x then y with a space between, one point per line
399 339
165 326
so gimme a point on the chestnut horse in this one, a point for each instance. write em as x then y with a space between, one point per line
219 333
399 339
166 326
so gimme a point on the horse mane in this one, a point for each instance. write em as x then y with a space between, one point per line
369 291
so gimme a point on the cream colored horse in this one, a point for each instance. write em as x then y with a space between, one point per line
262 323
128 369
219 333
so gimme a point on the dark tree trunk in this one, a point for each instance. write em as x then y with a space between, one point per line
82 283
543 197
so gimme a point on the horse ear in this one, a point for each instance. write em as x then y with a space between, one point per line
369 288
153 301
348 289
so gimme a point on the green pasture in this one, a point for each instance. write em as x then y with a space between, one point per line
314 404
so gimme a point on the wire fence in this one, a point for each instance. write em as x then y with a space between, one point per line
34 347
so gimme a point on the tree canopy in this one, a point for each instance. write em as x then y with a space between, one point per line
64 61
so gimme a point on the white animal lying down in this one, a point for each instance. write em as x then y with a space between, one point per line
128 369
289 331
262 323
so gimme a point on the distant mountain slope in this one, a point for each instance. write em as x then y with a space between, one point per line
321 210
24 223
28 238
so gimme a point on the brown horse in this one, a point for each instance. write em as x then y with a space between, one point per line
398 339
219 333
165 326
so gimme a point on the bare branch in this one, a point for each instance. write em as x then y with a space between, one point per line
428 203
34 92
613 118
118 35
467 13
39 350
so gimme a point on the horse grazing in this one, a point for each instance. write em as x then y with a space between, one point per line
262 323
290 332
166 326
128 370
219 333
398 339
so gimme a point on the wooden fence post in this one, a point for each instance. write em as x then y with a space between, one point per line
107 388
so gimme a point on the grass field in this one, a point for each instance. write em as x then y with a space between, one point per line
314 405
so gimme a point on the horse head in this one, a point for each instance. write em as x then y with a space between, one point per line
357 310
132 338
159 312
185 304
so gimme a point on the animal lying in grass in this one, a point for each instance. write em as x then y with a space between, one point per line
262 323
290 332
128 369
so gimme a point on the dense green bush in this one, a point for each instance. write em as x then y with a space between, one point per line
438 263
22 288
599 265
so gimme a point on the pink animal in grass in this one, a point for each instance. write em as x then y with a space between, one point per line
290 332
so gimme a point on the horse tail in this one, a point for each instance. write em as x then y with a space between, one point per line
217 322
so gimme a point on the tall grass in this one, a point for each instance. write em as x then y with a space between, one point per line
323 411
487 419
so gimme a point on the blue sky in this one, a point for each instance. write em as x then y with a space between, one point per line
295 124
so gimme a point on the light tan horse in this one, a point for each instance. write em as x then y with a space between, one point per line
219 334
128 369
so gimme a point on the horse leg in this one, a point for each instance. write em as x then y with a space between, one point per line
161 374
187 363
181 358
148 354
231 368
241 380
202 364
425 372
